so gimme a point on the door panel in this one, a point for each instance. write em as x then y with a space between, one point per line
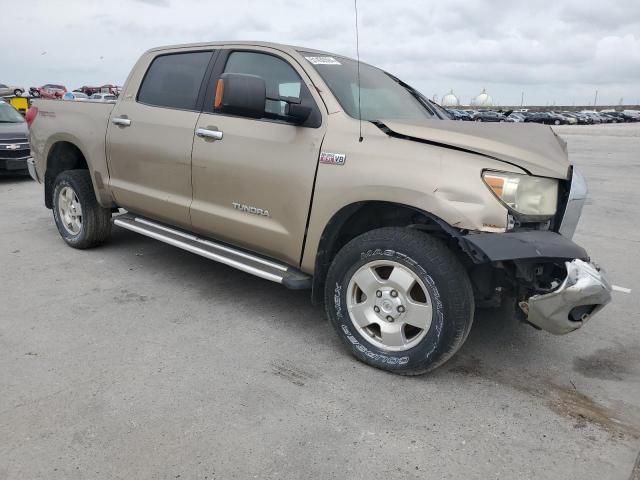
253 186
264 165
150 136
150 161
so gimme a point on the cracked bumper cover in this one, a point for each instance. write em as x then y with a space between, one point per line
582 293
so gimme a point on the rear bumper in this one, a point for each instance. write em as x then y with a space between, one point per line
584 292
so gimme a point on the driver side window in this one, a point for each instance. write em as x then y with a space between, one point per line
280 78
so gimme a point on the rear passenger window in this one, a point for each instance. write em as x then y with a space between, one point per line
174 80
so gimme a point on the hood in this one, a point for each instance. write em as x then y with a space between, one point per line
532 147
13 131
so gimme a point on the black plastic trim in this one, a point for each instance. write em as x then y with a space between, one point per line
525 245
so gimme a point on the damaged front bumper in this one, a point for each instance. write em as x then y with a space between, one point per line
571 301
584 292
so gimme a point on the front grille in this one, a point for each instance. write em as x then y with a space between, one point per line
22 150
15 153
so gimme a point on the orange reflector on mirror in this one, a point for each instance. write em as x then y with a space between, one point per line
217 103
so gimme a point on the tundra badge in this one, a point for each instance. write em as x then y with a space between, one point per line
249 209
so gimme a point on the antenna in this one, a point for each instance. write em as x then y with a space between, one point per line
355 5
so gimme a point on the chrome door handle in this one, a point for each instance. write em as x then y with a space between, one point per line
121 121
213 134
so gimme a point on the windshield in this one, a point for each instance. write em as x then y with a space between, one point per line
381 95
8 114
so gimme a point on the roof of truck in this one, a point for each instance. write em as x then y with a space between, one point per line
279 46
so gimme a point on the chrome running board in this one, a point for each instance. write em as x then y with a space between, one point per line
247 262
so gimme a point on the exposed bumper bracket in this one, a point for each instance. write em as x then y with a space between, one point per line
583 293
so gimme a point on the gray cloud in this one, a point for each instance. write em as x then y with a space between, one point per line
555 51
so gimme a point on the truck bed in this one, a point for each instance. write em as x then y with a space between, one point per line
83 124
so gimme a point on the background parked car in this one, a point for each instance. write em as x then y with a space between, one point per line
620 117
544 117
635 114
558 119
107 88
14 146
612 118
102 97
75 96
7 90
517 116
580 119
489 116
567 119
459 115
49 90
595 118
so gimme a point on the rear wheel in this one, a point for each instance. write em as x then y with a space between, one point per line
80 219
399 299
17 92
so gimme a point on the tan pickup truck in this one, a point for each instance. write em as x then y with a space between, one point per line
299 167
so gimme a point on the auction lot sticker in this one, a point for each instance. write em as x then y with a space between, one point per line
323 61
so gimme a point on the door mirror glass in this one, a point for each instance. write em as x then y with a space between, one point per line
241 94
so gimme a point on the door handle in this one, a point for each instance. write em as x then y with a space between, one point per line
121 121
213 134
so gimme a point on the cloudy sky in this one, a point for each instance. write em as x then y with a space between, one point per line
556 51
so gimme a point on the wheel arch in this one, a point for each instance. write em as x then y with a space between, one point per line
360 217
62 155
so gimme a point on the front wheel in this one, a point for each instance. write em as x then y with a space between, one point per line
399 299
17 92
81 220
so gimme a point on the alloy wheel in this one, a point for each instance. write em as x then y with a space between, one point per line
70 210
389 305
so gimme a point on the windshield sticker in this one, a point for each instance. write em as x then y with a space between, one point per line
323 61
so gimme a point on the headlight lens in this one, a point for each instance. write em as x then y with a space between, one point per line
525 194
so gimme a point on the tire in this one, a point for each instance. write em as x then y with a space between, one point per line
556 122
17 92
440 317
72 193
478 119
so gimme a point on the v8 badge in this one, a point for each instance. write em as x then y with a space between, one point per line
333 158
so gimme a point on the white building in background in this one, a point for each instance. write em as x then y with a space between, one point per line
450 100
482 100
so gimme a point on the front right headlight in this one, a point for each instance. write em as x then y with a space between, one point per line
524 194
